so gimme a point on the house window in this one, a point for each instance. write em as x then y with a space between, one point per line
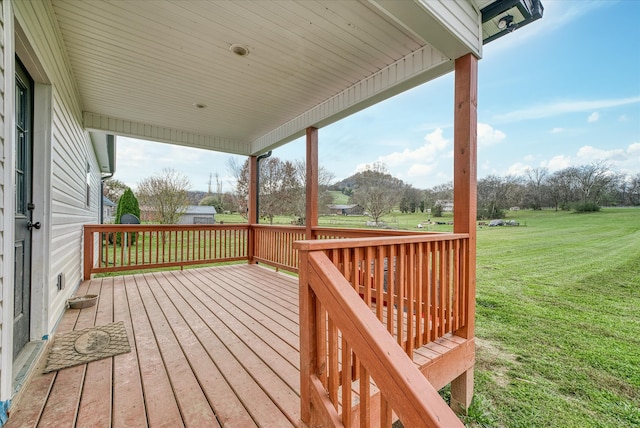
88 193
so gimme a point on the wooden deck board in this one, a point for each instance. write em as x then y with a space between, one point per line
209 347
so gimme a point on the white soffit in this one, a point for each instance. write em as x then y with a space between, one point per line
141 67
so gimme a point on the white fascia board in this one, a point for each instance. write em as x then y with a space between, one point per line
453 27
145 131
414 69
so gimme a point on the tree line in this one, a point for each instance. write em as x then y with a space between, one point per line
282 191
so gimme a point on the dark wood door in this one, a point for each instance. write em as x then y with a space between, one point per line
23 208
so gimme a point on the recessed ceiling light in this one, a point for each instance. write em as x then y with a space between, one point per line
240 50
199 105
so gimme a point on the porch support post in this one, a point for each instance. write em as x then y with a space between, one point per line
311 219
465 206
252 214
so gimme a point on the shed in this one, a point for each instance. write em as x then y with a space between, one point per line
350 209
198 214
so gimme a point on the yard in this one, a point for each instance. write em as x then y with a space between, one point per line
558 321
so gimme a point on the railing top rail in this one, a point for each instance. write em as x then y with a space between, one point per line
373 232
410 394
145 227
277 226
325 244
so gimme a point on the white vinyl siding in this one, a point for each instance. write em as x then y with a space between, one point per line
71 149
4 353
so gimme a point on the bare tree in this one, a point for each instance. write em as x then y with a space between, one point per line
377 191
495 194
165 195
113 189
535 185
282 187
633 190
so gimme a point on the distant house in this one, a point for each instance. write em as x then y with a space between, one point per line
447 205
108 210
198 214
352 209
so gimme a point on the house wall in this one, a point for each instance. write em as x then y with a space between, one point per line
4 290
62 151
71 151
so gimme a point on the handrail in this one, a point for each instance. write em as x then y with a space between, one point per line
355 331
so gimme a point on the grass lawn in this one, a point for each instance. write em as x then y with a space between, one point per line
558 321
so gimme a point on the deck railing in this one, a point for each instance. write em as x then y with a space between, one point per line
347 354
414 284
118 247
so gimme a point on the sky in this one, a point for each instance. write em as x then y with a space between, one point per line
562 91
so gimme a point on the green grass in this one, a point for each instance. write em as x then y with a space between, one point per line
558 320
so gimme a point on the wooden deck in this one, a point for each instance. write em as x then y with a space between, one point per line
210 347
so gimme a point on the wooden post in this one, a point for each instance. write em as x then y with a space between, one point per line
88 252
464 203
252 215
311 219
308 339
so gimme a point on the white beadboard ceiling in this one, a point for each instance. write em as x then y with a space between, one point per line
141 66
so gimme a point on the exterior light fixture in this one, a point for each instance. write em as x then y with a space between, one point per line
506 23
501 17
239 50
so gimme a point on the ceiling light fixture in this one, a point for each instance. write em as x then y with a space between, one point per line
239 50
506 23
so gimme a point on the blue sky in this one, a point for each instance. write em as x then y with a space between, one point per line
562 91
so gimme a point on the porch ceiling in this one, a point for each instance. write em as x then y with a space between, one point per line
143 67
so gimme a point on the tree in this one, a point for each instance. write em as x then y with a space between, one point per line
410 200
282 187
377 191
113 189
495 194
212 201
633 190
165 195
127 204
536 186
592 182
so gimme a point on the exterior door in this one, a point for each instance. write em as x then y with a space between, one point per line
23 209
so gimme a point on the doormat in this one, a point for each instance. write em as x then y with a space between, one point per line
86 345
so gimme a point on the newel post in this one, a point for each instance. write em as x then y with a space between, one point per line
252 215
307 337
465 205
311 219
88 252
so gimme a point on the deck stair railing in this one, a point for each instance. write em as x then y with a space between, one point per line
353 372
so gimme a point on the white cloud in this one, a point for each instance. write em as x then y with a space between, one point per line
488 136
420 170
541 111
593 117
529 158
624 160
557 130
556 163
518 168
623 118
